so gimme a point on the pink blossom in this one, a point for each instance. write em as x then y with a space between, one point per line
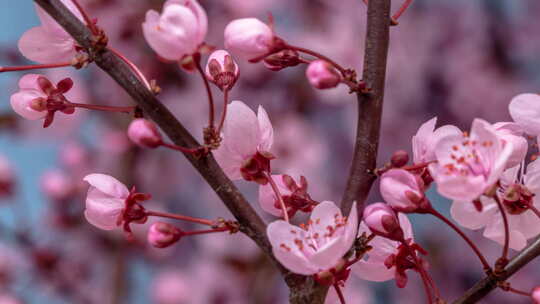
144 133
161 235
525 111
249 38
57 185
383 221
322 75
171 287
105 200
30 92
468 165
535 295
512 133
403 190
178 31
295 196
49 43
222 70
373 268
425 140
515 197
247 139
318 247
7 177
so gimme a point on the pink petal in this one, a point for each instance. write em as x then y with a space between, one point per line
30 81
228 161
20 102
495 232
525 111
281 232
465 213
266 132
267 198
532 177
38 45
394 184
102 210
463 188
420 142
50 25
241 130
324 215
373 271
108 185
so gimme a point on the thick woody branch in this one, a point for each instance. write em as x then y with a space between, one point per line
486 285
252 224
361 176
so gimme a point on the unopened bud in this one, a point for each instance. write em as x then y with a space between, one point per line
281 60
322 75
383 221
144 133
399 159
222 70
161 235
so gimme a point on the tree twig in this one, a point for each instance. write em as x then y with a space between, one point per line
361 175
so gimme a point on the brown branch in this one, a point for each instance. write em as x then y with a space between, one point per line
302 289
486 285
370 106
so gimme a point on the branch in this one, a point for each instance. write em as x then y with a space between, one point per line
483 287
252 224
370 106
302 288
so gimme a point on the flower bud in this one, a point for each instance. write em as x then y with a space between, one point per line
249 38
403 191
161 235
322 75
535 295
399 159
222 70
383 221
7 178
144 133
281 60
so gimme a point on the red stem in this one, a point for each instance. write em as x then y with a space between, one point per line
516 291
506 228
209 93
341 69
485 263
339 293
126 110
536 211
425 277
133 67
180 217
278 194
402 9
89 23
35 67
206 231
224 113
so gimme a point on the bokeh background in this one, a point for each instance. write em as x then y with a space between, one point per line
454 59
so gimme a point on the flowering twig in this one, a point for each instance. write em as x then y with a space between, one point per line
278 195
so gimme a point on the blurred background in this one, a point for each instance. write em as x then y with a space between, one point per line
454 59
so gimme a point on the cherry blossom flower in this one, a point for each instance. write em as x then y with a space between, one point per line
516 197
375 266
294 196
144 133
535 295
525 111
512 133
320 245
38 98
468 165
161 235
179 31
322 75
403 190
49 43
247 139
105 200
383 221
222 70
426 138
7 177
249 38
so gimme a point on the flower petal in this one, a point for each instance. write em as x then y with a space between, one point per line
108 185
